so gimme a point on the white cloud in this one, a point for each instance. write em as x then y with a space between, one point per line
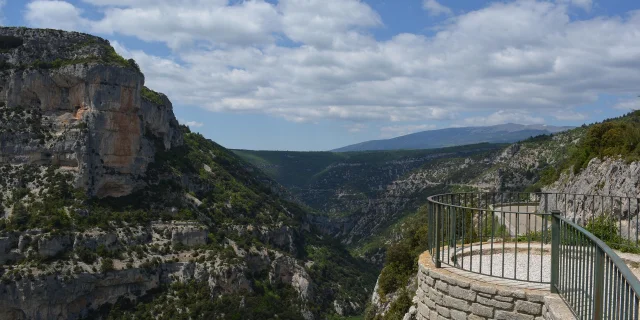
54 14
325 23
401 130
191 124
502 116
180 23
500 60
632 104
435 8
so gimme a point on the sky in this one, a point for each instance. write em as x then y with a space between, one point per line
321 74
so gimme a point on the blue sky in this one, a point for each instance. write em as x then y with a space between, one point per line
321 74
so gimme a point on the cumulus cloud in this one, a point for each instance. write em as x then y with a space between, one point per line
326 23
501 60
401 130
434 8
180 23
54 14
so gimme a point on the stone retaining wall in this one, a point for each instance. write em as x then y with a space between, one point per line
443 294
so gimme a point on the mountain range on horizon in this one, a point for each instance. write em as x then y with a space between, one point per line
502 133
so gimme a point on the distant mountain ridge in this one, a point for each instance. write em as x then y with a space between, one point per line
502 133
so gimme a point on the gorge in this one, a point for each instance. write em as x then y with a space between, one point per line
111 209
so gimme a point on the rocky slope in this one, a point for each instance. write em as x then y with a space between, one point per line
67 99
369 199
361 195
111 209
358 195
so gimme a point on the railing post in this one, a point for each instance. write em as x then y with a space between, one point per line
546 202
598 286
555 250
438 210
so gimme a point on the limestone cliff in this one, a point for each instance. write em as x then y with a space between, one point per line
610 176
68 99
110 208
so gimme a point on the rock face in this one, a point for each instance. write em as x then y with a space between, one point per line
70 290
607 177
75 116
67 99
189 235
614 179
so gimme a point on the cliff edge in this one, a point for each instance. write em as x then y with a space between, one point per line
68 99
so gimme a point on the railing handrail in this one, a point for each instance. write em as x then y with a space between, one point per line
613 256
466 207
459 220
537 192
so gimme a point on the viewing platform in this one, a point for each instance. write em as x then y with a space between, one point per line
519 256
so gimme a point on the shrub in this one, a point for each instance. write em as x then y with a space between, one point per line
399 307
134 65
107 265
151 96
402 258
604 227
85 255
612 138
5 65
10 42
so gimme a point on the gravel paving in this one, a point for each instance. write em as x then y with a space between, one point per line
538 266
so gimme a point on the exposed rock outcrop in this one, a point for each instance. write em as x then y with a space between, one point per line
609 186
601 177
67 99
97 185
69 289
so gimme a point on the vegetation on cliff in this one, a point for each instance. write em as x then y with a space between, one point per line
228 196
151 95
201 233
617 137
612 138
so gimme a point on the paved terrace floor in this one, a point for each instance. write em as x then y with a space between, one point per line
523 268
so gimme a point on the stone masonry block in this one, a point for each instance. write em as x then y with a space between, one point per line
529 307
460 293
443 311
483 289
458 315
457 304
495 303
505 315
442 286
481 310
503 298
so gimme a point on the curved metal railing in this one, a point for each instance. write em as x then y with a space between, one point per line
589 275
491 234
543 238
